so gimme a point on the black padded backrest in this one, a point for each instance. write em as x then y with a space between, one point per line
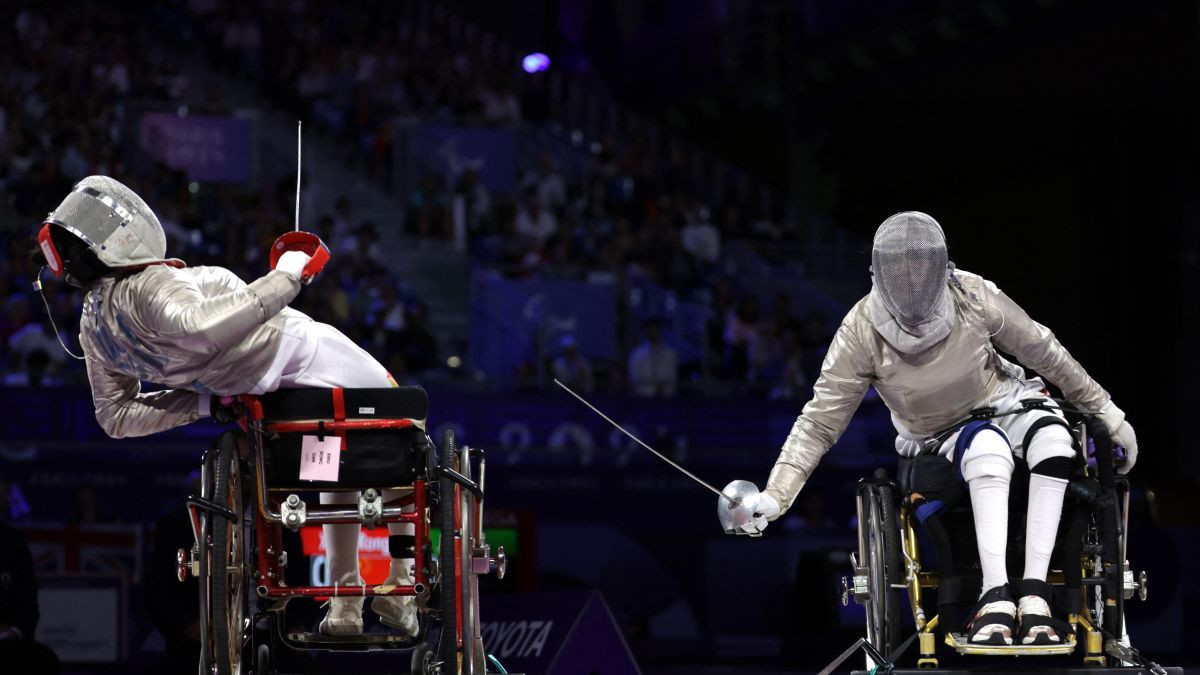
378 458
315 404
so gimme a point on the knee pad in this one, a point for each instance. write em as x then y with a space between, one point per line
1049 452
988 454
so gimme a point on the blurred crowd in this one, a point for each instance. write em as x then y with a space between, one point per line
67 103
613 211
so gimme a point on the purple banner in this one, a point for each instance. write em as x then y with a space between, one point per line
450 151
208 148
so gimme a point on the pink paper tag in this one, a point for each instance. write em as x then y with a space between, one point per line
320 460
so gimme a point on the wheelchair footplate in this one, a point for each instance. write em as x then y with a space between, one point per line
359 642
960 644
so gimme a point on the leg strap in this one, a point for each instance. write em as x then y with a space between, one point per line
982 617
1041 589
402 546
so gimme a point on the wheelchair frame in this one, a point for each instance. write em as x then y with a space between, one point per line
884 566
219 526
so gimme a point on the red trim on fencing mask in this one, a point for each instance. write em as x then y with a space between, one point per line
53 259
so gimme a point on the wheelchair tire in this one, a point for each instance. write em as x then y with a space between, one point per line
263 660
448 592
884 570
227 574
423 660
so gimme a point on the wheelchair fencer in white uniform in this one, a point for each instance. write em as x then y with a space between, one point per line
202 333
927 338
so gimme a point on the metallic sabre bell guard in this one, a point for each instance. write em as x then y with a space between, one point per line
737 507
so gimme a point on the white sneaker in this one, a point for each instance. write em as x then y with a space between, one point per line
992 621
398 611
344 617
1037 625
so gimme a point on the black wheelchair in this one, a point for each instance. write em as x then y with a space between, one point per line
1089 570
239 555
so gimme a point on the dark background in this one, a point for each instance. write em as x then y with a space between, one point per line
1054 140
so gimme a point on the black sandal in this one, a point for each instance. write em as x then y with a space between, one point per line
1041 590
979 621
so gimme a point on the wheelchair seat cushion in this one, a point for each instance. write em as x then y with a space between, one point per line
370 457
315 404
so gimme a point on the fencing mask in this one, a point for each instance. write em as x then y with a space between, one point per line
910 269
112 221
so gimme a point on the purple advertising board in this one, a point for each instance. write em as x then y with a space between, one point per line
208 148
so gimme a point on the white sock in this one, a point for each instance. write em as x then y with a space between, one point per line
1041 526
341 542
989 501
399 528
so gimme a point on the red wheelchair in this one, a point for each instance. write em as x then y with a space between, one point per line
239 555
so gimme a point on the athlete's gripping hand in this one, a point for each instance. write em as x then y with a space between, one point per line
292 263
765 510
300 254
1122 435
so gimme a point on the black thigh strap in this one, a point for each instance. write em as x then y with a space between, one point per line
1038 425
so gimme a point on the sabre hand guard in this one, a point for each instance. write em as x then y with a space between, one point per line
287 245
749 510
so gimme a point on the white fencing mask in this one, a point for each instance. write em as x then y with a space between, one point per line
910 271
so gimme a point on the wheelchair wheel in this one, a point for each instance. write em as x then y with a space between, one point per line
226 578
884 568
448 591
424 660
263 660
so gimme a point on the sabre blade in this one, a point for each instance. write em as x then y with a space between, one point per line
298 145
637 440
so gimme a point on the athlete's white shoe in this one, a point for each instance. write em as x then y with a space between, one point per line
398 611
992 621
344 617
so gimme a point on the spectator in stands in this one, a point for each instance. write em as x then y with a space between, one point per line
653 365
15 317
342 221
19 612
793 379
500 105
571 367
36 372
813 339
427 209
535 223
242 41
701 238
85 506
741 331
417 345
32 337
174 606
366 254
473 201
547 182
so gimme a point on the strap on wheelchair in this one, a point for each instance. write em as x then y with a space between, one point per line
934 442
969 431
402 545
213 508
1042 423
927 509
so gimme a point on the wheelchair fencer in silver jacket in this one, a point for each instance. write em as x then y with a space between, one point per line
927 338
203 332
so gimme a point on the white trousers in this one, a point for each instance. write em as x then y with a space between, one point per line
317 355
987 466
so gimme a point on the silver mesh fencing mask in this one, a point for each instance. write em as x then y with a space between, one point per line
114 222
910 267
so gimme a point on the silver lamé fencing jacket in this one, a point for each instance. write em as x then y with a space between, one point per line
197 330
931 390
